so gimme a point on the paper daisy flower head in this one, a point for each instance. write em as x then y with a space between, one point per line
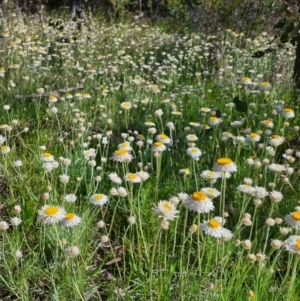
125 146
211 192
276 140
225 165
213 227
71 220
213 121
288 113
70 198
191 137
159 147
126 105
5 149
253 137
51 214
246 80
90 152
194 152
245 188
133 178
210 176
276 167
163 138
265 86
143 175
47 157
205 110
185 171
268 123
99 199
166 210
292 244
121 155
115 178
293 219
199 202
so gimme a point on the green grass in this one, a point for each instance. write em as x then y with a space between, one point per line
130 248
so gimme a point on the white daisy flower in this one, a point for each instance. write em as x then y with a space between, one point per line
143 175
194 152
70 198
133 178
166 210
214 120
225 164
191 137
99 199
122 192
126 146
159 147
210 176
211 192
71 220
293 219
245 188
292 244
121 155
51 214
163 138
199 202
47 157
213 227
288 113
276 196
276 140
115 178
276 167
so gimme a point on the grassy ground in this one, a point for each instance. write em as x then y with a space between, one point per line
161 111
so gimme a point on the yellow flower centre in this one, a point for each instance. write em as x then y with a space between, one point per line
47 155
213 224
51 211
194 150
120 152
275 136
287 110
158 144
4 147
206 109
264 84
224 161
124 144
163 136
199 196
296 215
211 174
246 79
70 215
253 135
167 206
192 136
98 197
298 244
268 121
52 97
132 176
210 191
213 118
